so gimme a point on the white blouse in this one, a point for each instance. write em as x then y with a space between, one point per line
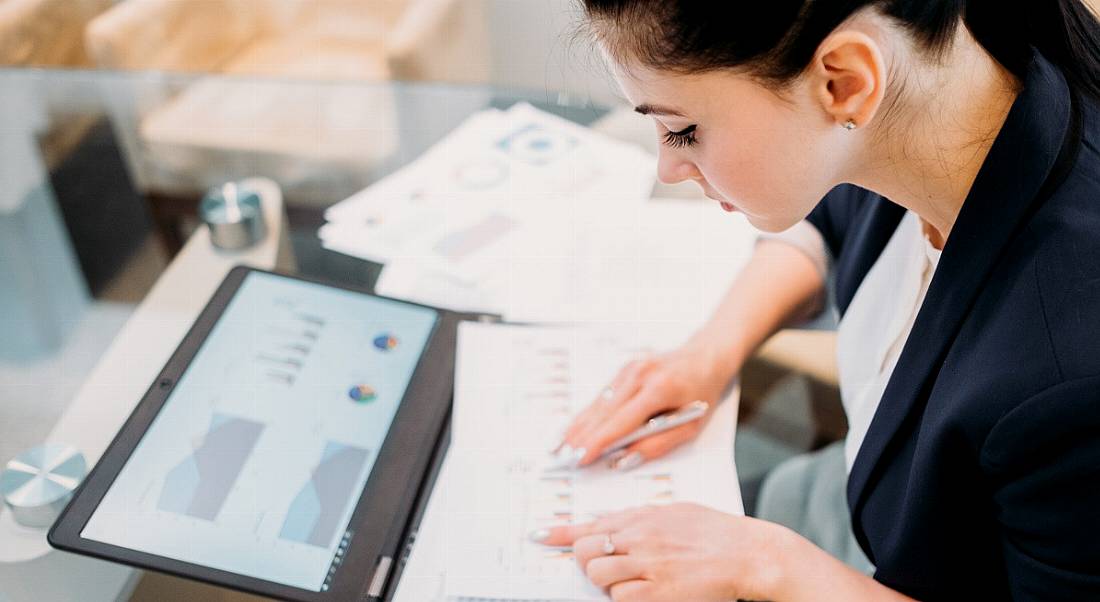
879 319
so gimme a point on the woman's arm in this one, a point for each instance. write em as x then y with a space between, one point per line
780 285
807 573
1042 461
691 552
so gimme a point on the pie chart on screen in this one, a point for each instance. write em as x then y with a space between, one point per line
385 342
362 393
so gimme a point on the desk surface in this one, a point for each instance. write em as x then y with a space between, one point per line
89 199
82 171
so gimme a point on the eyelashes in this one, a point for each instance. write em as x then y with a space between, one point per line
682 138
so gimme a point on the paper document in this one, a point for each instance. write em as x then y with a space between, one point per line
517 388
661 260
471 192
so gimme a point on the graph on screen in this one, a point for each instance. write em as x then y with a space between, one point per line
286 340
200 484
256 461
317 511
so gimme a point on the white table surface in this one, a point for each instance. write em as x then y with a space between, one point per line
29 569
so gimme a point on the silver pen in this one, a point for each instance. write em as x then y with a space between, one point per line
568 458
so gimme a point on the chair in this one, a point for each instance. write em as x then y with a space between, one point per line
810 355
439 40
46 33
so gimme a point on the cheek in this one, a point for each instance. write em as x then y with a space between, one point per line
774 175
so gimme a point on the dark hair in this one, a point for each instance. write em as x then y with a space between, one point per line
777 39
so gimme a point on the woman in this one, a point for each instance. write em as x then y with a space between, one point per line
971 379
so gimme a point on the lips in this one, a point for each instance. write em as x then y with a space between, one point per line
714 196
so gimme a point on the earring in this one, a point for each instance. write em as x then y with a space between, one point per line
849 125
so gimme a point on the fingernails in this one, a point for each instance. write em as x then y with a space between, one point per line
614 457
561 450
578 454
539 535
567 458
627 462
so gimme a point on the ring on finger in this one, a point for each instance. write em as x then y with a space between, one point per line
607 393
608 545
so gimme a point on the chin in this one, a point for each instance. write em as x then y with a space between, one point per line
771 225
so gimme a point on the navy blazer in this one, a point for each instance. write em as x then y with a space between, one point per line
979 477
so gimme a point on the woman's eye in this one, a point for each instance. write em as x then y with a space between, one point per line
682 138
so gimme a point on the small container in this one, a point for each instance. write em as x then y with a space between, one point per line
38 483
234 215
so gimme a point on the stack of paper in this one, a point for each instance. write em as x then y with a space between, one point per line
517 387
504 184
664 260
497 164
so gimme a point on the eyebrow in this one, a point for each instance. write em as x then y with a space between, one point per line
646 109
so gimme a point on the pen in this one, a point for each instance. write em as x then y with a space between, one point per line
567 458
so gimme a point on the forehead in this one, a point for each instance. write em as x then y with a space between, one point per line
651 88
670 94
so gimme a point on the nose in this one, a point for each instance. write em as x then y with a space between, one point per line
672 169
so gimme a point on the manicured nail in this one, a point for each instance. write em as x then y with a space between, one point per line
566 458
562 450
539 535
614 457
629 461
566 454
578 454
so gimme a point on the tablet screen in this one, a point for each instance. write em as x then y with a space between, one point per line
257 458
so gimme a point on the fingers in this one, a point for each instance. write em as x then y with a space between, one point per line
605 571
625 419
656 446
590 547
629 591
624 386
562 535
598 411
566 535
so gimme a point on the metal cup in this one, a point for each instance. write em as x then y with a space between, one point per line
234 215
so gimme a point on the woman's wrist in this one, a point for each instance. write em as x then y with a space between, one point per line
719 360
799 570
783 558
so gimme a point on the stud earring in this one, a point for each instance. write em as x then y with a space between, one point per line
849 125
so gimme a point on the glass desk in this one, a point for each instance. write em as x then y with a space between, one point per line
102 173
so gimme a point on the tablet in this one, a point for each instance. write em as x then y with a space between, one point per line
283 447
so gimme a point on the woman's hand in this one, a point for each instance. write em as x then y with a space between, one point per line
642 389
679 552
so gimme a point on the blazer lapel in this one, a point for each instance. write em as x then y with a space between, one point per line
999 204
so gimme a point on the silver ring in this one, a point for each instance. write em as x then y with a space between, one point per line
608 546
607 393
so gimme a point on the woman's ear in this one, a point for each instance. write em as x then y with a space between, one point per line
849 77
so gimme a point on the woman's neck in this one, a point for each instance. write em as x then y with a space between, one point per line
931 147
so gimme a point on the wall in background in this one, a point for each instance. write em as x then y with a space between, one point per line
535 45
